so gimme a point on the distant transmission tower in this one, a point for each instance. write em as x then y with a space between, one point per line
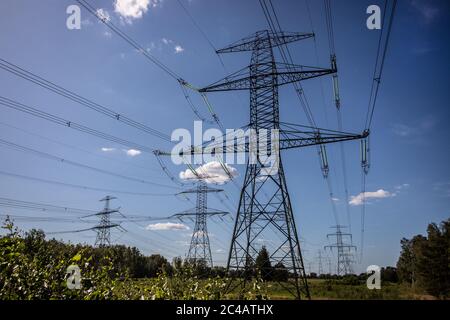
344 250
319 258
103 229
200 250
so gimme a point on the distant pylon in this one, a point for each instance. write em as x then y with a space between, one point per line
199 249
103 229
319 258
344 250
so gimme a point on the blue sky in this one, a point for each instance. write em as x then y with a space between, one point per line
409 159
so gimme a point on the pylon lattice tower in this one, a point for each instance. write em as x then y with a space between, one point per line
319 258
199 249
344 250
264 207
103 238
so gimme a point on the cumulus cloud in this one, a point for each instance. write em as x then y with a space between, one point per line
166 41
132 152
363 197
212 173
179 49
167 226
105 149
134 9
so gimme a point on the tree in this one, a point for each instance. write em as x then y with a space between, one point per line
389 274
280 272
263 264
433 261
425 260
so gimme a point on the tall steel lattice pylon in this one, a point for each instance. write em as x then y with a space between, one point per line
344 250
103 238
264 205
264 214
199 249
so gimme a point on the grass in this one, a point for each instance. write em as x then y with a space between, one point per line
321 289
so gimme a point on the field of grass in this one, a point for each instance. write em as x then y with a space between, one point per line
322 289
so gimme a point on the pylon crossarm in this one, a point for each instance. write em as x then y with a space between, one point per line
289 139
194 213
265 39
206 189
241 81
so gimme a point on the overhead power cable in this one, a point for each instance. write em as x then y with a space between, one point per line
107 22
27 75
379 64
77 164
42 206
83 187
70 124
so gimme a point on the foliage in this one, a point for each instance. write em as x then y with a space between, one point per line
263 265
424 261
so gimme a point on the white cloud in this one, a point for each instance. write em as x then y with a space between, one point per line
166 41
103 14
132 152
179 49
167 226
335 199
212 171
417 129
402 186
363 197
107 34
105 149
134 9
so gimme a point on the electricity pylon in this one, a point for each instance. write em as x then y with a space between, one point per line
265 208
319 258
103 229
344 250
199 249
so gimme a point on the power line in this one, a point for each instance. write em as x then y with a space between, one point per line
287 59
27 75
73 163
34 134
379 67
7 202
83 187
70 124
107 22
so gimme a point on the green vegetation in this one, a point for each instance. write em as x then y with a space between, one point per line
424 262
32 267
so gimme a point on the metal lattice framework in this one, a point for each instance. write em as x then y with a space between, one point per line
265 208
265 211
103 238
199 249
344 250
